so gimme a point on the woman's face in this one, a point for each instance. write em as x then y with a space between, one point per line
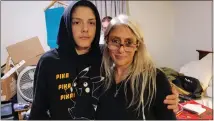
83 26
122 45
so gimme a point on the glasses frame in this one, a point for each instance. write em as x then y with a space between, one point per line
134 46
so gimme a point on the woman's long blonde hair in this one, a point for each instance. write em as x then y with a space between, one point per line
142 71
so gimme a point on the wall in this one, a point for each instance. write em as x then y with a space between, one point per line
21 20
173 30
192 30
157 22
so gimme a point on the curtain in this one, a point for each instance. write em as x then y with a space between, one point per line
110 7
107 7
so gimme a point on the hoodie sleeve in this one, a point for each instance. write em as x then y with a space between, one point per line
163 89
40 101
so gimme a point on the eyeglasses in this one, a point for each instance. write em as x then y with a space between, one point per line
114 45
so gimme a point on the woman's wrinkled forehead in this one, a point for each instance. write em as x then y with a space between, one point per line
119 26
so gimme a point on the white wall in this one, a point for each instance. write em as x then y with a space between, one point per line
22 20
173 30
157 22
192 30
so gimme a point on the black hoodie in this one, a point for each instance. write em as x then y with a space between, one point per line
65 83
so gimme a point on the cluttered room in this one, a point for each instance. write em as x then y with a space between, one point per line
177 34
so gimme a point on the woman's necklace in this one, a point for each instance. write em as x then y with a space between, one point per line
117 90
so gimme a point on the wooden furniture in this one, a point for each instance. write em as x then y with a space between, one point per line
22 110
203 53
20 113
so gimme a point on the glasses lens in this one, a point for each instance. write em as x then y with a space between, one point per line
128 49
116 46
113 47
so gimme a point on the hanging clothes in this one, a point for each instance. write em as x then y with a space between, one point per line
52 17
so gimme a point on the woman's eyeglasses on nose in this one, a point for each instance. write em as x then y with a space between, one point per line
115 45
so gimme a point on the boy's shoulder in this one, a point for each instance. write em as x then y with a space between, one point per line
49 55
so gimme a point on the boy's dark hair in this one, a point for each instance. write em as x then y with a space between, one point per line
107 18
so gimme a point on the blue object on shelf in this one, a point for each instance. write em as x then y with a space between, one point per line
52 17
6 109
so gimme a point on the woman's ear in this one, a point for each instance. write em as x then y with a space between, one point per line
138 44
136 49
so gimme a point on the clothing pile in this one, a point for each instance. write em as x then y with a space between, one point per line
188 87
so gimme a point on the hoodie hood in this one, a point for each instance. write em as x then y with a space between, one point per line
65 40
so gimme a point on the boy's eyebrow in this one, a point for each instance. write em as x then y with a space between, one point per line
81 19
76 18
92 19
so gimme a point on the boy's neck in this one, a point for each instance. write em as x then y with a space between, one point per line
82 50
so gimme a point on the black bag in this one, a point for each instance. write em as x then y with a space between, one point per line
190 85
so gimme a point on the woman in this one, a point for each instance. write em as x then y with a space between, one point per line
65 76
134 88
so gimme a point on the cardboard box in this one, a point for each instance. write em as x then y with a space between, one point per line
8 85
29 50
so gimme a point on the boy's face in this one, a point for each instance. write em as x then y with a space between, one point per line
83 26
